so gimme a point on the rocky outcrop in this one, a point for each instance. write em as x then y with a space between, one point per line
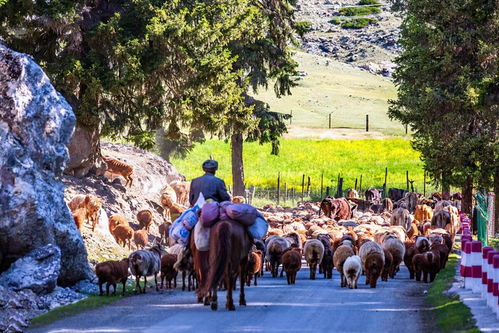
37 271
151 175
36 124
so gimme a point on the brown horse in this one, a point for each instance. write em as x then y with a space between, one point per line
228 257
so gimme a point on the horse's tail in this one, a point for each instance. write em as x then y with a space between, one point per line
219 258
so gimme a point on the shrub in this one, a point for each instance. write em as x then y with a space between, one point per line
358 23
335 21
368 2
359 11
303 27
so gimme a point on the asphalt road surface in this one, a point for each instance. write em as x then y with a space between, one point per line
273 306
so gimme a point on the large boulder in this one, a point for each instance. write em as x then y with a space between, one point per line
36 124
37 271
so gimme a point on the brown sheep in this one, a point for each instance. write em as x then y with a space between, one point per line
373 260
441 219
401 217
145 219
397 250
140 238
275 248
112 272
425 264
387 205
291 263
118 167
410 251
254 266
116 220
313 252
443 252
387 266
168 272
79 216
91 204
171 209
423 213
164 230
182 191
338 209
373 265
123 235
340 255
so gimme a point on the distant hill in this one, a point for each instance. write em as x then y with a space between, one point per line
327 86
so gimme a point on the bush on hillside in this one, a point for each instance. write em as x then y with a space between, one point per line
358 23
335 21
359 11
303 27
368 2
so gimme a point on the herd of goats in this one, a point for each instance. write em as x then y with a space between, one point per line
370 236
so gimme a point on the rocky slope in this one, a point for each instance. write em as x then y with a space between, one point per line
151 176
372 48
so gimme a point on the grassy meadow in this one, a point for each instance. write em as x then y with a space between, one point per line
350 158
331 86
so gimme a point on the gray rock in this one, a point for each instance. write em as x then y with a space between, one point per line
59 297
37 271
36 124
17 309
86 287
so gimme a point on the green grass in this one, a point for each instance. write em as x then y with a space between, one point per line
494 242
335 21
332 87
358 23
359 11
368 2
350 158
89 303
447 311
93 301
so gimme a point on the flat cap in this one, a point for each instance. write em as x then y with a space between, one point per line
211 165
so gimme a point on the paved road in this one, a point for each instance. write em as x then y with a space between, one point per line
273 306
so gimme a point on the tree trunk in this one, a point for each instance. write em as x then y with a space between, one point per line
467 202
84 153
237 164
445 187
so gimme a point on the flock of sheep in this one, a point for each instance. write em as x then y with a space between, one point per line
354 236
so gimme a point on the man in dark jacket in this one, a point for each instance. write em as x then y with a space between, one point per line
212 187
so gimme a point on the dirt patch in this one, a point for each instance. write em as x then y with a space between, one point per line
298 132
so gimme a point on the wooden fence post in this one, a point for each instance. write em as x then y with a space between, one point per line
327 191
355 184
339 192
360 187
302 186
407 179
278 187
367 123
322 184
384 184
285 193
330 120
291 118
308 186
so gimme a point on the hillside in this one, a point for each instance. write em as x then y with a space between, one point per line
372 47
330 86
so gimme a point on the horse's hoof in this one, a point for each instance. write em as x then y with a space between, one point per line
200 299
206 301
214 306
231 307
242 302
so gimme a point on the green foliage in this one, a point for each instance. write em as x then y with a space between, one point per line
359 11
302 27
368 2
335 21
138 65
447 311
358 23
351 158
3 2
446 87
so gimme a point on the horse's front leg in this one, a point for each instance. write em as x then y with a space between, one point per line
242 273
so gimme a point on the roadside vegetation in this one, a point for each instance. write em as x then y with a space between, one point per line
447 311
359 11
358 23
